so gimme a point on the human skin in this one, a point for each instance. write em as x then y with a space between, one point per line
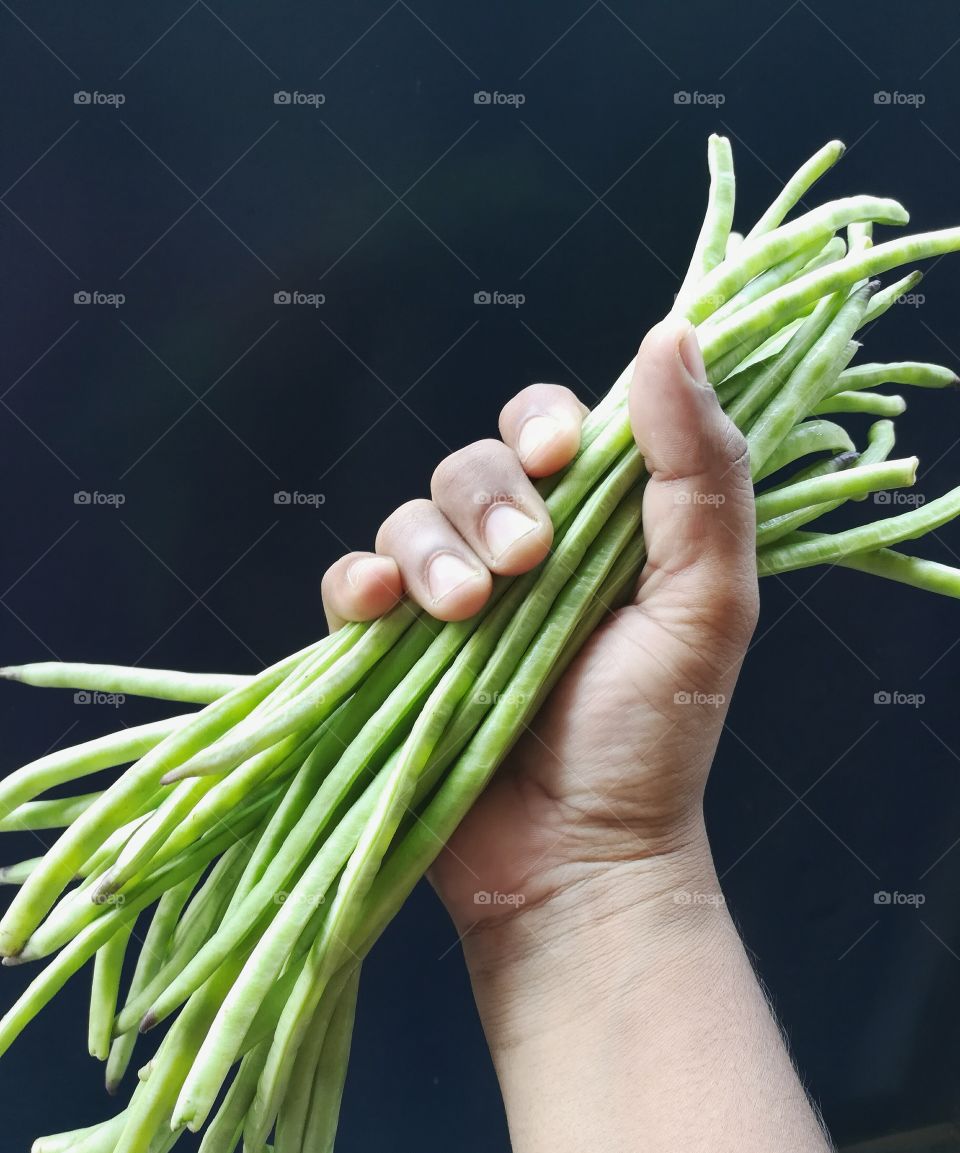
619 1005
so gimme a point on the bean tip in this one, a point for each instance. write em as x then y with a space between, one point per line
105 889
845 459
111 1085
10 673
148 1021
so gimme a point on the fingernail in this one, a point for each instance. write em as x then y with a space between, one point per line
446 573
357 571
503 526
692 357
536 433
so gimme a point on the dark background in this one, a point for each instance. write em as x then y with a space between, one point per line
399 198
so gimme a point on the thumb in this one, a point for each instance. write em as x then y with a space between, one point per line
700 576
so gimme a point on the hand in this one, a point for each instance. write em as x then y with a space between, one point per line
617 1018
614 768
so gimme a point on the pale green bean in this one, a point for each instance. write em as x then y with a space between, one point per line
802 440
107 967
808 382
798 185
801 550
863 402
161 684
711 245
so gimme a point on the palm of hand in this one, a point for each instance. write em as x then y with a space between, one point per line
613 768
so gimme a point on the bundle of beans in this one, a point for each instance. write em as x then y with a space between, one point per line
273 834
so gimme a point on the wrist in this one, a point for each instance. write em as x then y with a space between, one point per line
604 929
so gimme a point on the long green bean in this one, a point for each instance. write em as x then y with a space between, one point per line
83 760
912 372
881 444
800 550
756 255
57 814
151 956
863 402
107 967
711 246
138 783
162 684
910 570
310 1068
226 1128
808 381
800 183
783 304
804 439
321 1124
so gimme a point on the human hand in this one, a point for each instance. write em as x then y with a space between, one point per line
613 769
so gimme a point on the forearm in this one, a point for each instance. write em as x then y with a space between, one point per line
621 1018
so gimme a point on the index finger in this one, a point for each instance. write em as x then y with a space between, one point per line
542 425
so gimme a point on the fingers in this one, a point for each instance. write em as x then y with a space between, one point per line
486 495
359 587
438 568
542 425
485 517
698 512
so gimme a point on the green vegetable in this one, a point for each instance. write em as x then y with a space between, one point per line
275 832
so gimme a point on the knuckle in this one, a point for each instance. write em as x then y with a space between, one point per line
401 521
733 448
734 607
536 397
467 466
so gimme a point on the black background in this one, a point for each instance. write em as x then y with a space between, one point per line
399 198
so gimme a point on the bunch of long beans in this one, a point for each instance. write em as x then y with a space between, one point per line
275 832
